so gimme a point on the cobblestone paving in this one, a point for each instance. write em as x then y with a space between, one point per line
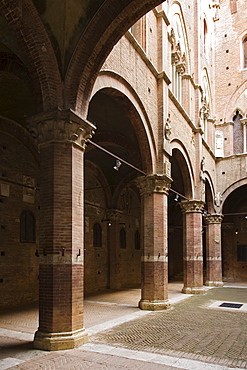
190 329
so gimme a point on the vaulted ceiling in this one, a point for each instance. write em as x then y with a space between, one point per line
51 51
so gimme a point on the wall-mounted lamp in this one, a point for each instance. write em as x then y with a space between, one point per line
118 164
236 232
176 199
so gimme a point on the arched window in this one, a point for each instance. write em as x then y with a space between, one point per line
97 235
27 227
238 145
122 238
205 38
245 52
137 240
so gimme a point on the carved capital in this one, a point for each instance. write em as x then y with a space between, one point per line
113 215
181 68
215 218
154 184
168 128
63 126
204 111
189 206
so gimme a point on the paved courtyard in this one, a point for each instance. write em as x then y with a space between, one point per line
196 333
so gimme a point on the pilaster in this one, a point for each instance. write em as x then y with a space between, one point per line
192 246
113 218
213 250
154 190
61 136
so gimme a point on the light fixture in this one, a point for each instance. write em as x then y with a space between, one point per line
236 232
107 220
176 199
118 164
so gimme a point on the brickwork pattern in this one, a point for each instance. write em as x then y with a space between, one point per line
18 263
190 330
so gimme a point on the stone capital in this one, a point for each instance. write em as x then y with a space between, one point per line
244 121
113 215
154 184
60 126
192 206
215 218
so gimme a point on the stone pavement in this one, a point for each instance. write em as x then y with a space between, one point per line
196 333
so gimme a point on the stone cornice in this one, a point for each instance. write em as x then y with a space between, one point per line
209 150
189 206
161 14
113 214
183 113
60 126
154 184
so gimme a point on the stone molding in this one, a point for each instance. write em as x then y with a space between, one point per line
61 126
154 305
215 218
113 215
60 341
154 184
192 206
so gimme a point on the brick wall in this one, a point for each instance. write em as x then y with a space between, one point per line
18 262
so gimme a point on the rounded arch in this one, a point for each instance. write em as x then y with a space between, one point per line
37 52
120 89
130 183
22 135
180 152
209 192
102 183
231 188
105 29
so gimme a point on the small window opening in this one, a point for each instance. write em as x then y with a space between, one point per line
245 52
242 253
122 238
137 240
27 227
97 235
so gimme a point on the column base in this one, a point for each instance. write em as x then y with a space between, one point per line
154 305
214 283
60 341
193 290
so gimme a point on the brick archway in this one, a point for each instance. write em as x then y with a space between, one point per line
36 51
107 26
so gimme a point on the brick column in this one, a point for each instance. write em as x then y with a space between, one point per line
154 191
213 250
113 239
61 136
192 246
